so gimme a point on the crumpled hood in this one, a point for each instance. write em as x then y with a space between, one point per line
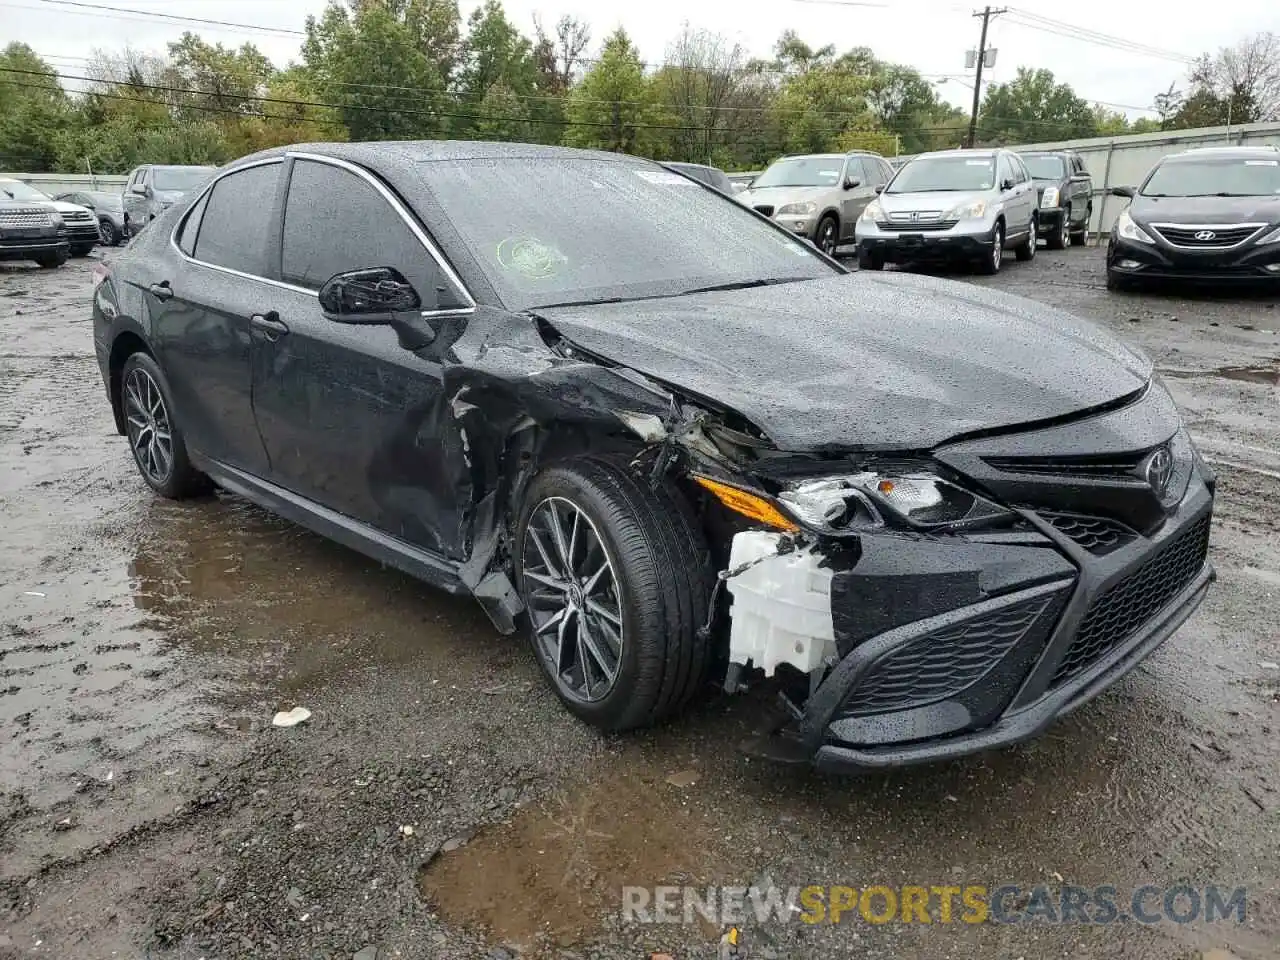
865 361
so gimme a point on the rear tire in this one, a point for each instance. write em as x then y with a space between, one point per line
661 577
155 438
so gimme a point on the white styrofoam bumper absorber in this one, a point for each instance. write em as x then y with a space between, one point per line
781 605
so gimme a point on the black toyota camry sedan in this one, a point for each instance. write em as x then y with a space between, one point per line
1204 215
671 443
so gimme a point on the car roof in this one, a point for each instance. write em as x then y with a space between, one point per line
1228 153
409 153
1045 153
978 152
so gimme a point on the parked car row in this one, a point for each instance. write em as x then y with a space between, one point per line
48 230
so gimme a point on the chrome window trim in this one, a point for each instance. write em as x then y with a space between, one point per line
387 195
1257 228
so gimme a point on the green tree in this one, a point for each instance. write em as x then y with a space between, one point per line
697 88
1032 108
33 109
368 63
494 52
609 108
226 80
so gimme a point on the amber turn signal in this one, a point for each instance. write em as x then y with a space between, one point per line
748 504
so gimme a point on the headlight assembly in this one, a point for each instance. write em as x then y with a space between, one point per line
1126 228
803 208
872 211
868 500
967 211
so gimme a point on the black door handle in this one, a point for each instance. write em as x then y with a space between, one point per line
161 291
272 327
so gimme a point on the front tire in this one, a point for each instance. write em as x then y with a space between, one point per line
108 232
827 237
1118 283
870 261
81 250
155 438
1081 236
990 264
51 261
616 579
1059 238
1026 250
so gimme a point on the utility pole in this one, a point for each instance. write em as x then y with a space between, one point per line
986 14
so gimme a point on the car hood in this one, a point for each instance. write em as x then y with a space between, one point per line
65 206
865 361
940 200
1206 209
777 196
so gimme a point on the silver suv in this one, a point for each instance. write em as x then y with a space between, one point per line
951 206
819 196
154 188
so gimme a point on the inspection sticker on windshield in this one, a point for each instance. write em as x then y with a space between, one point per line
1262 163
665 177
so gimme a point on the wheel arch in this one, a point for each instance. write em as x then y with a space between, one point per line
125 344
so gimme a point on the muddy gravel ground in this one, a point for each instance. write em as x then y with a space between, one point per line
440 803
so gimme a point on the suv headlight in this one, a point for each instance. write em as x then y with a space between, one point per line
1272 237
872 211
1126 228
967 211
802 208
1050 197
918 499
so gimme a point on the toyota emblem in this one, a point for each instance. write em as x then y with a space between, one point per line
1158 471
1205 235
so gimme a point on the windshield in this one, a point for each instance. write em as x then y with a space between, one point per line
945 174
1225 177
801 172
549 231
17 190
1044 168
179 179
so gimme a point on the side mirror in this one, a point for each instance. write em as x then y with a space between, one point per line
851 182
1128 192
880 188
139 188
1006 185
372 296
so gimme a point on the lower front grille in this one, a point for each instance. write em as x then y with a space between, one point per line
1098 535
941 664
1130 604
765 208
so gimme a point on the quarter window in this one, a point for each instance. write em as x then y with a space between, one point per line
191 226
335 221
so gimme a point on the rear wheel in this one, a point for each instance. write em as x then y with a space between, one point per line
616 579
155 439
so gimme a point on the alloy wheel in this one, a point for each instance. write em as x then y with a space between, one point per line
827 238
1066 230
104 232
997 249
148 426
571 591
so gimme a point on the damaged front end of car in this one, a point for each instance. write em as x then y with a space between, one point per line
907 606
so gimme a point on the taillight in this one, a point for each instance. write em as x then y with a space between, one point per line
100 273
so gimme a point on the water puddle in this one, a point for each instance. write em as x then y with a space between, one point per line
1248 374
552 874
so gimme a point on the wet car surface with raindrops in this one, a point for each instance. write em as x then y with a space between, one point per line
440 802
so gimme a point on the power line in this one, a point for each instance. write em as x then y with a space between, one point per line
1034 21
119 13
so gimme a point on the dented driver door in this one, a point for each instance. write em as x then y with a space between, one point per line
349 417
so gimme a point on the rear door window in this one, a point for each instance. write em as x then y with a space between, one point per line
236 221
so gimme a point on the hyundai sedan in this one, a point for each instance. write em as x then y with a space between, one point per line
673 444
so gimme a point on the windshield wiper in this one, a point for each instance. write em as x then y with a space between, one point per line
742 284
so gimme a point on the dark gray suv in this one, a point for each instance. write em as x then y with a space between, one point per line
153 188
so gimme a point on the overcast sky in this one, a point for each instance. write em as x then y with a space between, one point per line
930 35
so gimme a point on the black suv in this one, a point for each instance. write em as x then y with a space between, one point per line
1209 214
1064 194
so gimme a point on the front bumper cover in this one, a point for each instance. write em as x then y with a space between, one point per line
1004 635
1159 261
943 245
